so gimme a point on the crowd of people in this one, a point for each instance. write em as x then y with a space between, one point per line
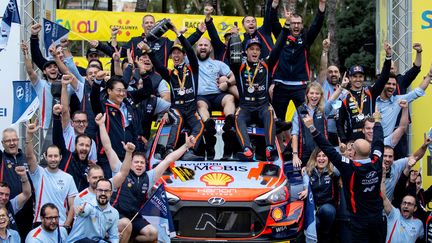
348 139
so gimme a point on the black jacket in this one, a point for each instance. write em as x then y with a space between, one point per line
293 64
361 181
348 125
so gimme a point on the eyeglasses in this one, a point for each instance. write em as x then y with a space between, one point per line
119 90
9 141
80 121
53 218
102 191
408 204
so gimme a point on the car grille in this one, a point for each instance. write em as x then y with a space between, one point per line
217 222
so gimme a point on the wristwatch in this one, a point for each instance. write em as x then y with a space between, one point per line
312 127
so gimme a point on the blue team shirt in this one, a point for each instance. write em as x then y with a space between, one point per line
54 188
95 223
209 71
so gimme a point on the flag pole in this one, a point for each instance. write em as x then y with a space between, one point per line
130 222
79 35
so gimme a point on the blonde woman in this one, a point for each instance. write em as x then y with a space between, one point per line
7 235
323 181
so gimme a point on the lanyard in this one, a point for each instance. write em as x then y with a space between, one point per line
181 82
360 109
250 82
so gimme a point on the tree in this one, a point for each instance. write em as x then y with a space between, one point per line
356 34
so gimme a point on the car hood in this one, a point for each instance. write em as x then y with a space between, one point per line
235 181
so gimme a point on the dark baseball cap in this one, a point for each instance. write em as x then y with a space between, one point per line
92 51
253 41
356 69
178 47
49 62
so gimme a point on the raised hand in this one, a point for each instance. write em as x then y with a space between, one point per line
80 209
35 29
377 116
100 75
208 10
403 103
100 119
32 127
345 81
57 109
417 47
53 50
183 30
116 54
93 43
21 171
202 27
114 30
129 147
24 48
326 43
67 79
388 49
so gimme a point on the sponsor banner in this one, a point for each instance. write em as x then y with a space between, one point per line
26 101
224 175
96 25
421 120
10 66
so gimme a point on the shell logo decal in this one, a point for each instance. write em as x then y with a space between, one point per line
216 179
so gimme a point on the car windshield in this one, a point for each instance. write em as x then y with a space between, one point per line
256 135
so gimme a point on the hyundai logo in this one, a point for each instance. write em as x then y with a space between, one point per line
371 174
216 201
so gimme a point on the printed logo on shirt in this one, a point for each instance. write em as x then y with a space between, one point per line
156 47
61 184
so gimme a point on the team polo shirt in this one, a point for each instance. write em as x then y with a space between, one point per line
43 91
400 229
39 235
329 89
85 196
396 170
12 236
69 138
95 223
209 71
54 188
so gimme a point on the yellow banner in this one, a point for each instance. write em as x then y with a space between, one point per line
96 25
421 118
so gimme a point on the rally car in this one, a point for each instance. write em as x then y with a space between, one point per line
231 200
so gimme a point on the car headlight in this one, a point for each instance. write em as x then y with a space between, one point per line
172 199
277 195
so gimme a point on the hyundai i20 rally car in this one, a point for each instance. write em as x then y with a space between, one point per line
231 200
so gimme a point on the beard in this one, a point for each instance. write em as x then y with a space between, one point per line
201 58
102 201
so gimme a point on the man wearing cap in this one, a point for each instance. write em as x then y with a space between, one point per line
91 55
183 80
215 77
253 80
360 101
162 45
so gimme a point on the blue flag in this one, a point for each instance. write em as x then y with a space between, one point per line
156 212
309 220
25 103
11 15
53 33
